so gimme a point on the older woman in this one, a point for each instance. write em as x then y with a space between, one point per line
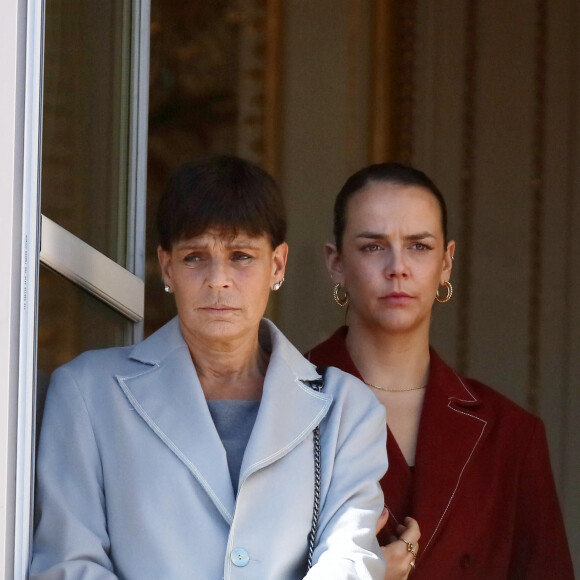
465 463
192 454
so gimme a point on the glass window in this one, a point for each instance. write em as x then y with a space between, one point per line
85 144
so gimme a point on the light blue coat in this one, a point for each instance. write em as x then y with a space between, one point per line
133 481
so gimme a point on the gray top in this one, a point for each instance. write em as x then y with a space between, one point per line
234 421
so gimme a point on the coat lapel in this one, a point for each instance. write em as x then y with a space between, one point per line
289 409
169 398
397 485
453 424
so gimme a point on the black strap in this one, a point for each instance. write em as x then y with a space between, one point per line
317 385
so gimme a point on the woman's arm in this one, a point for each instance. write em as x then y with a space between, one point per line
71 540
353 461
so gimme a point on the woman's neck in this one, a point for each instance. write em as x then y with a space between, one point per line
389 360
230 370
399 365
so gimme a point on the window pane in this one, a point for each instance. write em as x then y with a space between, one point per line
70 321
86 120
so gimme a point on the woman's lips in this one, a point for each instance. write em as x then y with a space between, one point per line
218 308
397 298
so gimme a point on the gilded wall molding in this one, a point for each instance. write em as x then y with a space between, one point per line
537 194
405 35
381 133
467 182
272 130
354 97
259 83
393 80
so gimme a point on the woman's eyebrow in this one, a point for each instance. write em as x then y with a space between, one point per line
371 236
379 236
201 244
419 236
241 244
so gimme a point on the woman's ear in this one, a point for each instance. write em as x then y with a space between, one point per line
280 258
165 263
334 263
448 261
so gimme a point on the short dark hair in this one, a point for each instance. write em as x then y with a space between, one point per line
224 192
393 173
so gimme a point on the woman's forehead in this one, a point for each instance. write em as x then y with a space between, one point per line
380 201
223 237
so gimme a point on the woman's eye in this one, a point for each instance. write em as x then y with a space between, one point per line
420 246
240 257
192 259
371 248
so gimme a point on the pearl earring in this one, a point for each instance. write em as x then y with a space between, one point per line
278 285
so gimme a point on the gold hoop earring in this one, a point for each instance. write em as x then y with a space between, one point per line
340 295
447 297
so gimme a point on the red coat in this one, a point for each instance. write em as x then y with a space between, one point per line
481 489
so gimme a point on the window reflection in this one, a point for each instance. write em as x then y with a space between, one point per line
85 120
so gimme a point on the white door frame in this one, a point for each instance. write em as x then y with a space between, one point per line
12 103
21 47
28 290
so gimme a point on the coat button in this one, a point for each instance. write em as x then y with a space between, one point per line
240 557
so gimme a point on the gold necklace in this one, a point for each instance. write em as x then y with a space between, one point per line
394 390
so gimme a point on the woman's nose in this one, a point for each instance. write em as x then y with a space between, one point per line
218 276
396 265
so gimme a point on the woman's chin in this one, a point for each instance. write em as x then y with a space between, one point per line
398 323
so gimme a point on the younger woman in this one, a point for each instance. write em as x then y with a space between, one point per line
470 466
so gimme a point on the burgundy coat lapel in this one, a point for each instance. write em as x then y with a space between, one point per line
397 488
453 424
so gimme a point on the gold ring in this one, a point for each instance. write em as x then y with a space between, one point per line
410 547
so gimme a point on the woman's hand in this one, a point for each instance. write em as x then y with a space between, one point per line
401 551
383 520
